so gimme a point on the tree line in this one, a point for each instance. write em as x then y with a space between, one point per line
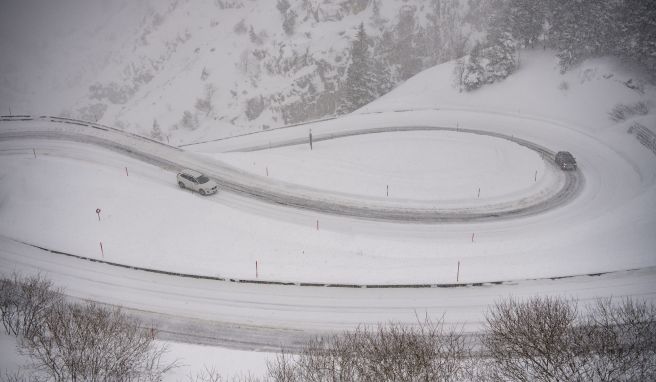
575 29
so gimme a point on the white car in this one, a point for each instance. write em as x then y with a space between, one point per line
196 181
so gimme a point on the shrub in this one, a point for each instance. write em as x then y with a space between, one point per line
622 112
87 342
394 352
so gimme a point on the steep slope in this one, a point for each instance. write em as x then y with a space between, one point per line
182 70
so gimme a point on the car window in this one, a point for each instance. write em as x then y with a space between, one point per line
203 179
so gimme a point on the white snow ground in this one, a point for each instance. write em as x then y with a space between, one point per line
146 221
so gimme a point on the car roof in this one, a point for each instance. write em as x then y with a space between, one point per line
193 173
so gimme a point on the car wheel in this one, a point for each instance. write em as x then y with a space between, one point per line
181 185
202 192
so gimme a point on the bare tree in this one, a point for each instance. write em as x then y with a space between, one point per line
619 341
92 343
25 301
549 339
532 340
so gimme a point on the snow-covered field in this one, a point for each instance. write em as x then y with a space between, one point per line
443 167
147 221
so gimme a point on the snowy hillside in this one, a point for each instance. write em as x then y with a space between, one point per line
584 96
180 70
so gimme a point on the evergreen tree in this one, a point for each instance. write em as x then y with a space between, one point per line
500 53
283 6
526 20
255 39
382 77
637 21
474 74
156 132
289 22
405 50
360 86
444 32
500 58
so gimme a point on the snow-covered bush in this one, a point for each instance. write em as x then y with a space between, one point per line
92 343
240 27
228 4
254 107
393 352
486 65
189 120
473 76
622 112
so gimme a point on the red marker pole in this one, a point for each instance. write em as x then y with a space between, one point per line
102 253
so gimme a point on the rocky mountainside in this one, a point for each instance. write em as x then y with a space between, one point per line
179 69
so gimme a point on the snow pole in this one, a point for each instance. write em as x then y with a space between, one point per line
267 170
34 151
126 172
387 192
479 193
102 252
317 224
472 237
310 139
256 270
536 175
458 272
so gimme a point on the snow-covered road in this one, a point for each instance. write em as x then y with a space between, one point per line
266 317
601 226
559 190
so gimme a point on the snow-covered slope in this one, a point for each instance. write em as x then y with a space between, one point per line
583 96
184 70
